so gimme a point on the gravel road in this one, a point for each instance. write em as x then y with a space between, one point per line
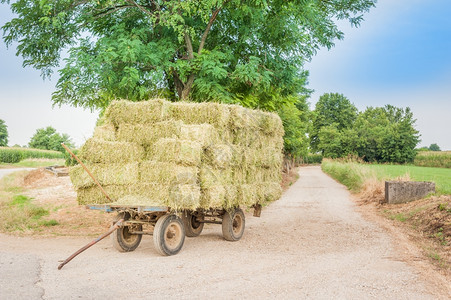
311 244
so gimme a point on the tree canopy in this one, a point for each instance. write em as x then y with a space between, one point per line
332 111
434 147
248 52
49 139
382 134
3 134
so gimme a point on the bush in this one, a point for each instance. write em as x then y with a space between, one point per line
14 155
311 159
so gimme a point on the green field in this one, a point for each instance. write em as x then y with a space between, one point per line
439 159
354 175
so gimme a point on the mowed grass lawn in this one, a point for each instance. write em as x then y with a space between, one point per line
441 176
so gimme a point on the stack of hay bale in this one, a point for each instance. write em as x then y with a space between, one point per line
182 155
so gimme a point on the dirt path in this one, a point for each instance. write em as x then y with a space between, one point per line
312 243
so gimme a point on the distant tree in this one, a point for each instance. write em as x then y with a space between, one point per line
295 118
434 147
49 139
3 134
331 109
386 134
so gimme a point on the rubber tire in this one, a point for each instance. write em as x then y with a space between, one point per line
122 240
233 224
193 228
169 235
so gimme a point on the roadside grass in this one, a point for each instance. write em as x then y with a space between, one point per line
438 159
355 175
18 213
428 219
441 176
34 163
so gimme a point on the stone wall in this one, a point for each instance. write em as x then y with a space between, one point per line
406 191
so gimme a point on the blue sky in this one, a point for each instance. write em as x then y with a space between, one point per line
400 55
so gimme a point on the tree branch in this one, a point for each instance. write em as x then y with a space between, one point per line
189 46
207 30
140 7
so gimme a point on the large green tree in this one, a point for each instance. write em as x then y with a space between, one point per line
250 52
3 134
333 111
49 139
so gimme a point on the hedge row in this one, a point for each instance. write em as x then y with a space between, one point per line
14 155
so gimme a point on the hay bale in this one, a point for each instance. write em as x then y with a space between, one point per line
177 196
105 132
100 151
167 173
270 191
209 176
148 134
211 113
93 194
185 153
256 139
241 117
219 196
267 157
145 112
260 174
106 174
271 124
184 196
248 194
214 196
231 197
219 156
205 134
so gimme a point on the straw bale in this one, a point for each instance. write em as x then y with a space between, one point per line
259 174
205 134
270 123
106 174
266 157
209 176
213 197
184 196
183 152
270 191
241 117
178 196
148 134
219 156
105 132
256 139
145 112
211 113
100 151
93 194
248 194
167 173
231 197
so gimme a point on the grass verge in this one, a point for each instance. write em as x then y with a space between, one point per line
428 220
19 213
34 163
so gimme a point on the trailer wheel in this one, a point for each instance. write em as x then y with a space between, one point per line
169 235
233 225
122 239
192 224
